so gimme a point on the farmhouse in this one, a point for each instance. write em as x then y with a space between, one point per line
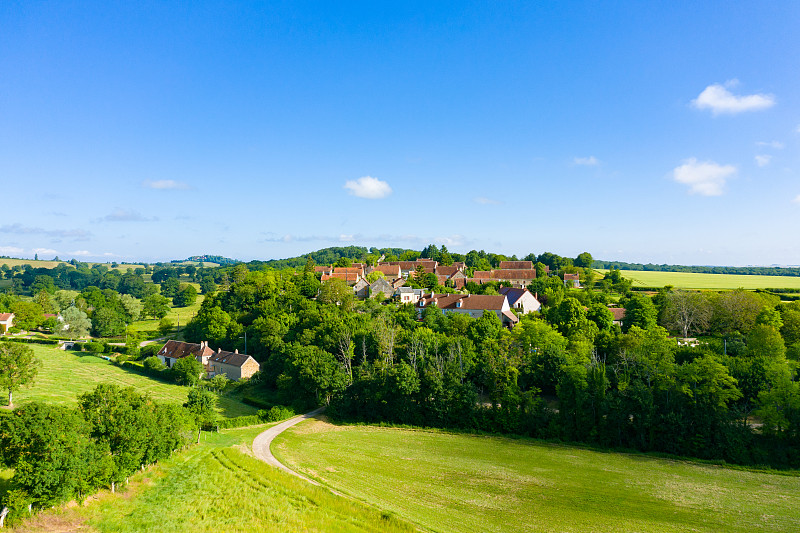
381 286
521 299
174 350
572 281
233 364
517 278
6 322
407 295
473 305
618 313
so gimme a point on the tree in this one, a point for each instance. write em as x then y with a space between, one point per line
165 326
584 260
75 323
202 403
27 315
207 285
639 311
18 367
156 306
107 322
187 370
153 365
687 311
132 306
336 292
170 287
185 296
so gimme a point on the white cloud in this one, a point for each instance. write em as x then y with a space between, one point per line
10 250
81 252
720 100
590 161
368 187
486 201
763 160
165 185
19 229
126 215
771 144
796 200
346 238
705 178
45 251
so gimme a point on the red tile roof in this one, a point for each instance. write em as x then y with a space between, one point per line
390 271
446 270
572 277
618 312
349 277
486 302
229 358
516 265
178 349
504 274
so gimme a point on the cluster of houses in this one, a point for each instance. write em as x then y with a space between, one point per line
234 365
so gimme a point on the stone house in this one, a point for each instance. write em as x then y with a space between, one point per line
473 305
6 322
521 299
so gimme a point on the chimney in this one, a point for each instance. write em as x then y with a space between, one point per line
219 350
236 350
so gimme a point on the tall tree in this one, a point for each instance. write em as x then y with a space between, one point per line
687 311
18 367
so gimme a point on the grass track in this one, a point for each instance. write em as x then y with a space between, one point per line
692 280
447 482
215 487
65 375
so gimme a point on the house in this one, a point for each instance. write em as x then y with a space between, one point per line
409 267
381 286
391 272
473 305
572 281
521 299
516 265
407 295
517 278
618 313
6 322
233 364
348 277
361 289
323 269
174 350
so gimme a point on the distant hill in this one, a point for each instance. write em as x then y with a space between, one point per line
218 259
328 256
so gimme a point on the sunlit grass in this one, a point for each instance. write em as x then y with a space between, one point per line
466 483
692 280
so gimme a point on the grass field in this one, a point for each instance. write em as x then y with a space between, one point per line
691 280
216 487
447 482
65 375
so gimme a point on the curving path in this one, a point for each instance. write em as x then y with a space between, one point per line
261 444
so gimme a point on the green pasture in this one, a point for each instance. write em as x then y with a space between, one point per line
691 280
216 486
449 482
65 374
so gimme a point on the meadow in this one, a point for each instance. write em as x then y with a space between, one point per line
454 482
217 486
691 280
65 374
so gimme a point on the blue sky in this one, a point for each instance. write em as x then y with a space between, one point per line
640 131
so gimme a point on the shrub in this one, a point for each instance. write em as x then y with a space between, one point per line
96 347
153 365
239 421
149 351
277 413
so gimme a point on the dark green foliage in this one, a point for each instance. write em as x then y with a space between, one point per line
185 296
187 371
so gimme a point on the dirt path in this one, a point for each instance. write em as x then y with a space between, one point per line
261 444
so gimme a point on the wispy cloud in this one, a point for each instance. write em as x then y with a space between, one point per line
45 251
19 229
763 160
10 250
368 187
720 100
771 144
705 178
796 200
81 253
590 161
451 240
165 185
126 215
486 201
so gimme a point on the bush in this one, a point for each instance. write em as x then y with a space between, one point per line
153 365
277 413
239 421
149 351
33 341
96 347
256 402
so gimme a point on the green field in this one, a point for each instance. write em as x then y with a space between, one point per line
447 482
215 487
65 374
691 280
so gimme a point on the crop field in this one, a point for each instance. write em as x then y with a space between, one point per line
448 482
216 486
691 280
52 264
64 375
